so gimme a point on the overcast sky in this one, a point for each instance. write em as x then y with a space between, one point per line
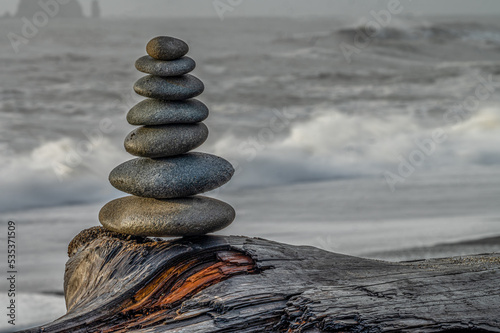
168 8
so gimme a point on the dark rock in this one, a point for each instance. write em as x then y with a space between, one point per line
95 9
189 216
165 140
158 112
66 9
177 67
166 48
171 177
169 88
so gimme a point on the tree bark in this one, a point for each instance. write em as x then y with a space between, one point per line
115 283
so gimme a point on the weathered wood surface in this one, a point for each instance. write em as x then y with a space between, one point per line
240 284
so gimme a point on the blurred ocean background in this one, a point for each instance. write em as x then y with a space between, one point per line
312 136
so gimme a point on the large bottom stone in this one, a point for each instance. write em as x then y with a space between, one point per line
190 216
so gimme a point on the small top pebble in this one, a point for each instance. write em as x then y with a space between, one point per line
166 48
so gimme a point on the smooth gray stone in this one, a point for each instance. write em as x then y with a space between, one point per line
176 67
171 177
189 216
165 140
169 88
157 112
166 48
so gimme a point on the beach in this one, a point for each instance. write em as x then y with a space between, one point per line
361 157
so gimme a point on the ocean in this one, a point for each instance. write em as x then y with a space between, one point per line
384 147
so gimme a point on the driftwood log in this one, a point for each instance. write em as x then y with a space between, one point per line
115 283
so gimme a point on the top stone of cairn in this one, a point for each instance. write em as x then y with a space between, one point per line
166 48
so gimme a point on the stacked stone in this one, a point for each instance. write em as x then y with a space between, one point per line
166 178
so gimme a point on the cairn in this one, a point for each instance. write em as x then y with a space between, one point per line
166 178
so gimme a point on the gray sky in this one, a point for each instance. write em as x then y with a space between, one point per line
167 8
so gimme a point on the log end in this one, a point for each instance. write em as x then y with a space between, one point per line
88 235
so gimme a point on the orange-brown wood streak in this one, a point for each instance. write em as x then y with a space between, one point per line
155 302
143 296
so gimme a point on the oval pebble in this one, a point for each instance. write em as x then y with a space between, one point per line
176 67
157 112
189 216
166 48
165 140
171 177
169 88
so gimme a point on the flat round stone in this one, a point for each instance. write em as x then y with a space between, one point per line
171 177
176 67
166 48
169 88
165 140
157 112
197 215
